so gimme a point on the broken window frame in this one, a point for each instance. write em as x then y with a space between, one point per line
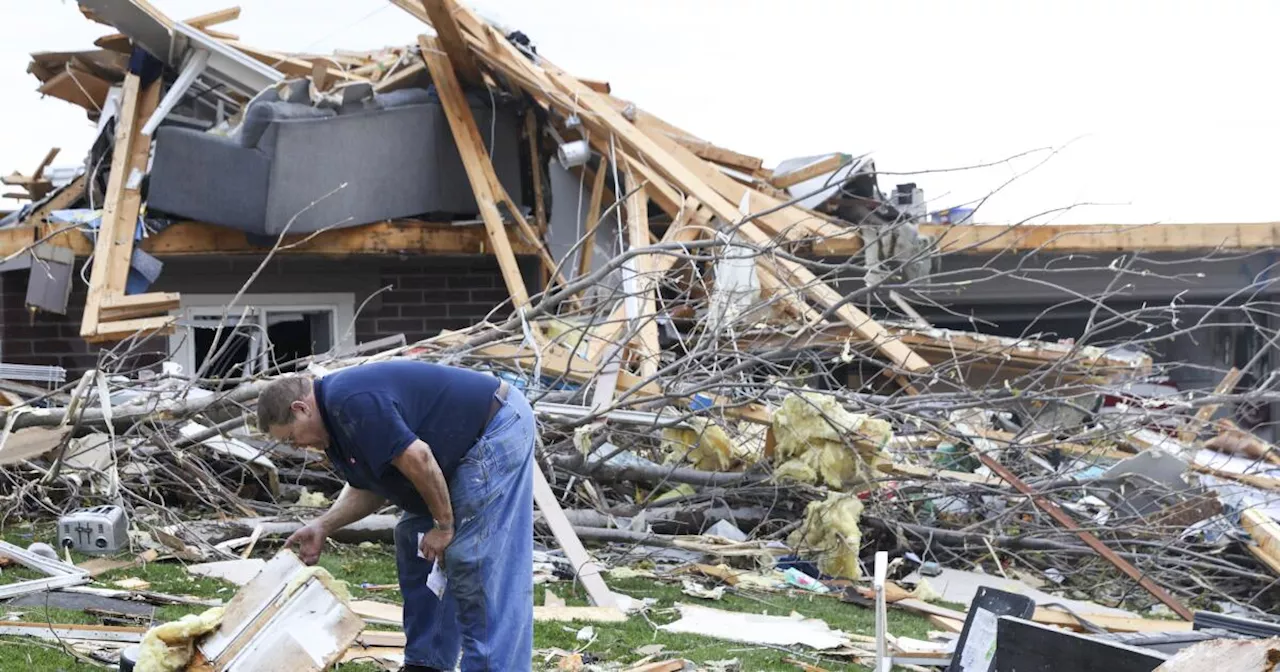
207 309
60 574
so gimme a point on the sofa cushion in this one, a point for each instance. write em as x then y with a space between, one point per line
260 116
248 137
404 97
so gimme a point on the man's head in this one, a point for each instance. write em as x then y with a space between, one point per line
287 411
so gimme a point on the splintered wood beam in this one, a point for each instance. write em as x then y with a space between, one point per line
114 245
606 120
471 144
441 16
643 310
475 161
587 250
820 167
131 306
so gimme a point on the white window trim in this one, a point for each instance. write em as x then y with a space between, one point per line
181 341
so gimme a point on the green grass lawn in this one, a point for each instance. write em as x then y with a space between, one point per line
614 642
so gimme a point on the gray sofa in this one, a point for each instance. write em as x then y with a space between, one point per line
394 151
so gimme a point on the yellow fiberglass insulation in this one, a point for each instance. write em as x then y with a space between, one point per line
703 443
830 531
818 440
335 586
169 646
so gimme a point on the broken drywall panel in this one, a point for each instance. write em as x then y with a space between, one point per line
309 633
289 616
756 628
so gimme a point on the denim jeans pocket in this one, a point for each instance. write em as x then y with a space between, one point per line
470 488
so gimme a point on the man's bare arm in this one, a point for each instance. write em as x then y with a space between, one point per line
418 464
353 504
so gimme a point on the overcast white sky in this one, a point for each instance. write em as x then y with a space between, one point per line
1163 111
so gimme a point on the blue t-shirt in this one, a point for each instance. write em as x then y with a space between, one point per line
373 412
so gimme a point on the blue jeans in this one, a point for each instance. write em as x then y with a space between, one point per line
486 610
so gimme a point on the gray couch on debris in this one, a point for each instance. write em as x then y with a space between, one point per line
394 152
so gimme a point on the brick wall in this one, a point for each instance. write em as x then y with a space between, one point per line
426 294
430 294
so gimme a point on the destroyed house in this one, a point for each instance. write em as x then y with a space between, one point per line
351 200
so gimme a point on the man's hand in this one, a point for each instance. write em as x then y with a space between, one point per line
310 541
434 543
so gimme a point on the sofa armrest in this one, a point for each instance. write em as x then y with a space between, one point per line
209 178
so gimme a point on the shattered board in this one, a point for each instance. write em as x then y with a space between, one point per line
756 628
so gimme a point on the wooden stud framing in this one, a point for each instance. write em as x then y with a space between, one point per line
113 249
638 237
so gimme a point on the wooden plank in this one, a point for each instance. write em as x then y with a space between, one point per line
214 18
1087 537
393 614
118 205
587 570
597 85
440 14
535 157
117 307
401 78
197 238
645 302
1266 538
587 249
120 330
484 181
820 167
1204 413
992 238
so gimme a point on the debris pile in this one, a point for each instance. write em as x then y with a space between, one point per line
707 392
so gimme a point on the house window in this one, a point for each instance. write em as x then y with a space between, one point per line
262 332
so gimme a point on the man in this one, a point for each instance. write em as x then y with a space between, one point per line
453 448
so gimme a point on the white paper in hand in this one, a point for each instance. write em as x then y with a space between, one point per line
436 579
